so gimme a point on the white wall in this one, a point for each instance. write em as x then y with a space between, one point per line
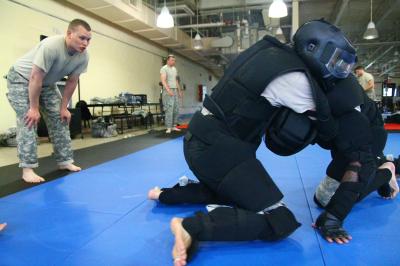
119 61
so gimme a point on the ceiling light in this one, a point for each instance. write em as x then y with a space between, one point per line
197 42
371 32
277 9
165 20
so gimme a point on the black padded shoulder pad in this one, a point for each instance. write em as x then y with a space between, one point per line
345 95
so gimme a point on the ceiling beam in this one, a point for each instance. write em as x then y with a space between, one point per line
387 13
379 57
388 70
395 43
337 14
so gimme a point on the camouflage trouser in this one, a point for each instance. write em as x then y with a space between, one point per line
49 101
171 107
326 189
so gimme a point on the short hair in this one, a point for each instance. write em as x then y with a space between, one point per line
170 56
359 68
79 22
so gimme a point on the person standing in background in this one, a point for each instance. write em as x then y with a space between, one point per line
31 88
366 80
170 93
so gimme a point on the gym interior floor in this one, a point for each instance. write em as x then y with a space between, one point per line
101 216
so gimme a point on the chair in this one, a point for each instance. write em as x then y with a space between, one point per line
85 113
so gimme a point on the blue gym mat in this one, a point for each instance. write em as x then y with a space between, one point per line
101 216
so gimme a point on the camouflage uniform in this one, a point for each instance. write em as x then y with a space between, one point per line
171 107
49 102
326 189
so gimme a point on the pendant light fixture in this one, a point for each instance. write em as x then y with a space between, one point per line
371 32
197 42
165 20
279 35
277 9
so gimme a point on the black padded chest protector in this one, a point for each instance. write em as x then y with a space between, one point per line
237 99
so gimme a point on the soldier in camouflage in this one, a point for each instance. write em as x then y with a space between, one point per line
31 88
170 94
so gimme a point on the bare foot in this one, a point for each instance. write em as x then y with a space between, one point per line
70 167
182 242
28 175
2 226
154 193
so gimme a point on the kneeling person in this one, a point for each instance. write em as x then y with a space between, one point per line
220 149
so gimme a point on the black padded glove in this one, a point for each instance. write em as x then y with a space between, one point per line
331 227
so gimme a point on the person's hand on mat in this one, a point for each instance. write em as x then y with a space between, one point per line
32 117
154 193
65 115
2 226
331 229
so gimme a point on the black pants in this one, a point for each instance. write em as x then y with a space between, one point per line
229 174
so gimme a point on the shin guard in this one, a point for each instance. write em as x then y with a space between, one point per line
344 199
234 224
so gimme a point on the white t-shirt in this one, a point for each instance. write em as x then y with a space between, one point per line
52 57
171 74
363 80
292 90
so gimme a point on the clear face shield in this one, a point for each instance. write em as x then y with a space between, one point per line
341 63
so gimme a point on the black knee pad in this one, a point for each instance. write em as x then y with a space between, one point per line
250 187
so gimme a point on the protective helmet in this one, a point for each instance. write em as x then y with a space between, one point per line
325 49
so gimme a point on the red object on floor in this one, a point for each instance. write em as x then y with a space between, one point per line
392 126
183 126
